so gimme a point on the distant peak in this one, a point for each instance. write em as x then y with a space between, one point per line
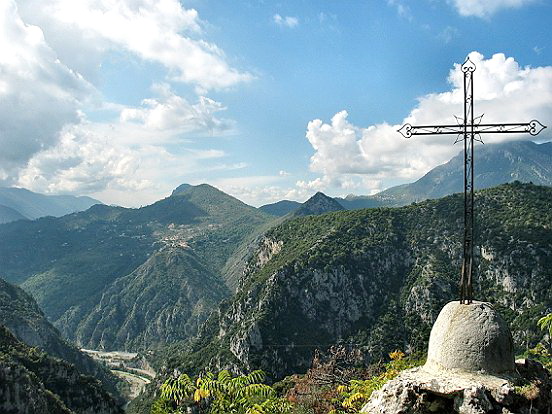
318 204
188 188
318 195
181 189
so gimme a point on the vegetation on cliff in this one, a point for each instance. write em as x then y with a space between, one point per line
32 381
376 279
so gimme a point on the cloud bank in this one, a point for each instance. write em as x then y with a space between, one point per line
352 157
51 57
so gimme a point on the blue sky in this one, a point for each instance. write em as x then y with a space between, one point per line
125 99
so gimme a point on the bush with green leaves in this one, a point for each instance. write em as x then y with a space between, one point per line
355 395
220 393
545 323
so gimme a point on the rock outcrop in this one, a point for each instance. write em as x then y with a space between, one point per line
470 369
33 382
418 391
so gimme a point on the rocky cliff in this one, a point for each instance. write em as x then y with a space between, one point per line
20 314
32 382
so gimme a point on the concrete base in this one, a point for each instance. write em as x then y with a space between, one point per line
470 338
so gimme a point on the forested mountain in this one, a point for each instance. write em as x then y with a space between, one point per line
377 279
31 205
319 203
280 208
162 301
33 382
20 314
94 272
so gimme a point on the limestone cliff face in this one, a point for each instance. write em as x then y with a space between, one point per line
378 279
33 382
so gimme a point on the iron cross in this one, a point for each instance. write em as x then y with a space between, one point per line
469 128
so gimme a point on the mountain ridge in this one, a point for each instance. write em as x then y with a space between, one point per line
70 263
495 164
20 314
377 278
33 205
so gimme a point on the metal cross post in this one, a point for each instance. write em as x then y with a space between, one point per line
469 128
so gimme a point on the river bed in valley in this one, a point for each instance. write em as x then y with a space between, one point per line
128 366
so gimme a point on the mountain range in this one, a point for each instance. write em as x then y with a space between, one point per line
376 279
495 164
127 279
20 204
229 285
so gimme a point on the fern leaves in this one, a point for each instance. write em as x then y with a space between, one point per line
223 393
545 323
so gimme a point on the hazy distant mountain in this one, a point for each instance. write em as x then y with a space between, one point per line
280 208
319 203
33 205
8 214
119 277
495 164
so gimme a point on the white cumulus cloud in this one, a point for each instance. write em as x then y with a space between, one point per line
50 54
160 31
129 154
349 156
172 113
486 8
38 93
287 21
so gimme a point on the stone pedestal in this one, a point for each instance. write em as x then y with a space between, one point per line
470 338
470 369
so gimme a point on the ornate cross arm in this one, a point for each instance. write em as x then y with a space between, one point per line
534 128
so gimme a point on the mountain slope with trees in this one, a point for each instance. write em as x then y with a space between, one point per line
33 382
72 265
20 314
377 279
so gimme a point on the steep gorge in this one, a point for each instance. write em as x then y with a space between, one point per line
376 279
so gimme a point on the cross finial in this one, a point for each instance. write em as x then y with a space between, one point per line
468 66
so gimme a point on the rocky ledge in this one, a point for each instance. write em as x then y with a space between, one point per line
421 391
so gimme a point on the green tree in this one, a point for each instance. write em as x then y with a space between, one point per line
222 393
545 323
355 395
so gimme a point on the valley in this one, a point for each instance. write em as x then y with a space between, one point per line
201 281
128 366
